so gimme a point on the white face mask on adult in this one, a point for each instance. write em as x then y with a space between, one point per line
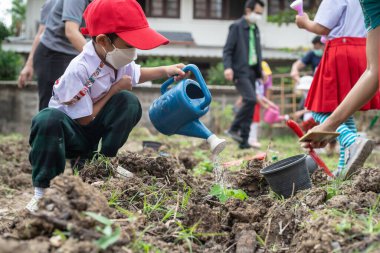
120 57
253 18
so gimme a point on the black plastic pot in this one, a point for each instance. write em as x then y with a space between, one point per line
288 176
152 144
311 165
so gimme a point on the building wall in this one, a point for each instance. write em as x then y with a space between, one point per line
205 32
20 105
214 32
32 17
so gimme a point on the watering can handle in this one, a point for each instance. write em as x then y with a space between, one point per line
199 78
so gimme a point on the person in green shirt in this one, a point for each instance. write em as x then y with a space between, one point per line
242 63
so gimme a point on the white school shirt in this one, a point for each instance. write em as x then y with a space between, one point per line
259 89
343 17
78 73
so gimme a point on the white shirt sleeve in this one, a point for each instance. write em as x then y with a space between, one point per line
82 108
68 87
134 71
330 12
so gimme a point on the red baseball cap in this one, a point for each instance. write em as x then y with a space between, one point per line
126 19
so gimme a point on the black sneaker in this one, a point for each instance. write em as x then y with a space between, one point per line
244 145
234 135
77 164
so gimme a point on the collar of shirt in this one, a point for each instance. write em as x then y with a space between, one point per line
94 61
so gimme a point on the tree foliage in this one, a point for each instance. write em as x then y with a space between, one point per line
18 12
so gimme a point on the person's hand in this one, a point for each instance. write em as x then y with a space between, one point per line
320 128
125 83
229 74
273 105
302 21
298 114
239 101
176 71
295 76
25 76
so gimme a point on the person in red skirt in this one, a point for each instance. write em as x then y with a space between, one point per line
262 94
343 63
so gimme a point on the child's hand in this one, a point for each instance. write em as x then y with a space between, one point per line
125 83
320 128
298 114
273 105
176 71
302 21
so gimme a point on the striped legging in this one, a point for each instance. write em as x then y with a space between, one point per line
347 137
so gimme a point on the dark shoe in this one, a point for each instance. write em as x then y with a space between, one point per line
234 135
356 155
244 145
77 164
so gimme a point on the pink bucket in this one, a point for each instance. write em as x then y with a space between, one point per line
272 115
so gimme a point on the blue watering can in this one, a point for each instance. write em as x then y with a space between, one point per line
178 110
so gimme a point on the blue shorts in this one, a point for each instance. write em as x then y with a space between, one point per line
371 10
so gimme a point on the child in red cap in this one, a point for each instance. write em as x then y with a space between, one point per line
92 100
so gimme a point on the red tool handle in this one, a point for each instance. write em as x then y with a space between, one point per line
298 131
295 127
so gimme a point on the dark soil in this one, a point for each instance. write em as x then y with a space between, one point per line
160 205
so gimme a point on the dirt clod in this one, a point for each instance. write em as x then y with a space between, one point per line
165 207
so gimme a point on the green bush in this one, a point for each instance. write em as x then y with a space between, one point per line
221 117
215 75
10 65
159 61
4 32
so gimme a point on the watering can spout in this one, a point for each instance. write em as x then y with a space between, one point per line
297 5
197 129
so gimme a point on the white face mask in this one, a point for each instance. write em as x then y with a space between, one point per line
253 18
120 57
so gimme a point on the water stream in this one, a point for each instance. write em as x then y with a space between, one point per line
218 170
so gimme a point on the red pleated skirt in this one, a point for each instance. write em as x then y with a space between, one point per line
256 115
341 66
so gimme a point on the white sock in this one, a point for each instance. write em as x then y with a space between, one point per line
39 192
253 132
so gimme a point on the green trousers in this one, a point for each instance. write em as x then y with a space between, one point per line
56 137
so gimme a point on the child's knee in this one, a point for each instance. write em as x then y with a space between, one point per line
132 103
48 118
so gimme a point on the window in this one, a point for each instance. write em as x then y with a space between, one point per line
218 9
161 8
276 6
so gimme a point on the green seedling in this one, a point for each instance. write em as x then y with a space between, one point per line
200 155
372 225
76 171
131 216
159 204
333 189
343 226
187 235
139 245
62 235
260 240
186 197
100 159
168 215
224 194
114 199
276 196
203 167
110 236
